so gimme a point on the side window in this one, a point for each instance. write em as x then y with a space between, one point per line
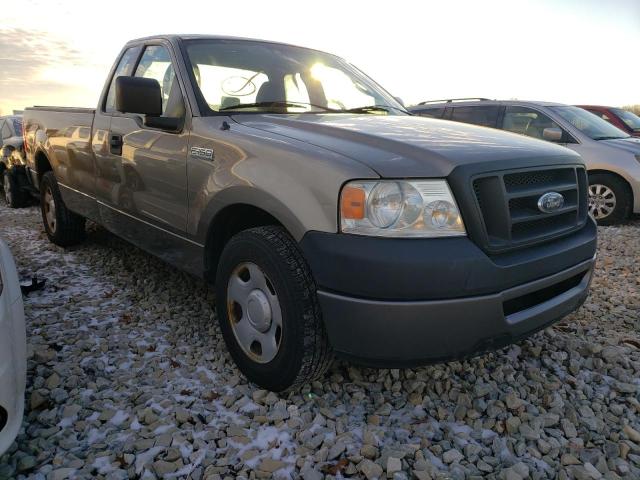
431 112
125 65
486 116
526 121
156 63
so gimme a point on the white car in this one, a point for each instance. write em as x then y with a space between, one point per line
13 350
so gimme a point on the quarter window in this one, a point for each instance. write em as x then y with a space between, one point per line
526 121
125 65
486 116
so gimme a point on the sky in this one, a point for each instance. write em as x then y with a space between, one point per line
569 51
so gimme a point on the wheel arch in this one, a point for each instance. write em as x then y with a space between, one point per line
634 193
600 171
227 222
42 164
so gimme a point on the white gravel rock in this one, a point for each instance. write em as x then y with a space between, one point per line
129 378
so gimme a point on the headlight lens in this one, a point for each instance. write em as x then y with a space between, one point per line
400 208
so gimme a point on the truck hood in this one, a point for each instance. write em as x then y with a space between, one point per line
630 144
409 146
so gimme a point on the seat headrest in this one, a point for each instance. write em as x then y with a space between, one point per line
270 92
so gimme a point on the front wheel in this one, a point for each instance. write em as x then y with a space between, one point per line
63 227
268 310
610 199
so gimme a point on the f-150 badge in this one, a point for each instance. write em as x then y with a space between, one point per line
201 152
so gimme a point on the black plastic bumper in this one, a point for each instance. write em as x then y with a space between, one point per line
402 302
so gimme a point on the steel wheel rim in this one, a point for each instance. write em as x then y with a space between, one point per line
6 185
50 210
254 312
602 201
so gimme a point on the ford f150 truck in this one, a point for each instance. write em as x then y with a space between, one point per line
329 219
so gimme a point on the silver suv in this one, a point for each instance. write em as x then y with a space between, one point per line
612 156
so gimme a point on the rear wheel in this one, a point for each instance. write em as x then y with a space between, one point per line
268 310
14 196
63 227
609 199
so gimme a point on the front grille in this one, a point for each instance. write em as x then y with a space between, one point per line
508 202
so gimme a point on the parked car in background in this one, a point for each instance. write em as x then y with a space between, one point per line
611 155
623 119
15 189
13 350
328 218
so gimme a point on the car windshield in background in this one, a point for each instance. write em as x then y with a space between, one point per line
589 124
629 118
248 77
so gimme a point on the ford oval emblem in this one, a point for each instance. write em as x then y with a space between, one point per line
550 202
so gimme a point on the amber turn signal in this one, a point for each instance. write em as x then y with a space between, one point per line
352 203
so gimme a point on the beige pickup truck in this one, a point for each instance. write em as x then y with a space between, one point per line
329 219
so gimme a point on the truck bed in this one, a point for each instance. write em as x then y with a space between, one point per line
48 108
63 136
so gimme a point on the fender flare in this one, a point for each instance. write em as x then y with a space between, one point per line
248 195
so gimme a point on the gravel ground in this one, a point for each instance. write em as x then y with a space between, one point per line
129 378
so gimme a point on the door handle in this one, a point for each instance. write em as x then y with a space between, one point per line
115 144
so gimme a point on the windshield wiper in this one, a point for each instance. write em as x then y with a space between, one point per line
277 104
285 104
366 109
374 108
610 137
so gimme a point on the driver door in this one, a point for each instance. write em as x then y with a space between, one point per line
150 203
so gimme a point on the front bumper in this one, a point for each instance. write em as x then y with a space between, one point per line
421 301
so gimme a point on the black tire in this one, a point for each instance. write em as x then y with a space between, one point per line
622 196
304 353
68 228
14 195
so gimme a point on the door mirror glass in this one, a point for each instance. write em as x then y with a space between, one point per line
138 95
552 134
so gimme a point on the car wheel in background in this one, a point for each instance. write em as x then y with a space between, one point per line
14 196
609 199
63 227
268 310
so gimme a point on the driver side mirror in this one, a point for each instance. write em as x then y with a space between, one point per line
138 95
399 100
552 134
143 96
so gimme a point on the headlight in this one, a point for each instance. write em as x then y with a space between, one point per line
400 208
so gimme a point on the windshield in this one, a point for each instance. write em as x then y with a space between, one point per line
589 124
629 118
242 76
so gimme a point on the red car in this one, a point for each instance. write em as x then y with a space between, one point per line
623 119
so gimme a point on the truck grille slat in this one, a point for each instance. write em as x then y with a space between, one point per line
508 202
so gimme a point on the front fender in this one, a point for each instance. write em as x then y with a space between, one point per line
248 195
